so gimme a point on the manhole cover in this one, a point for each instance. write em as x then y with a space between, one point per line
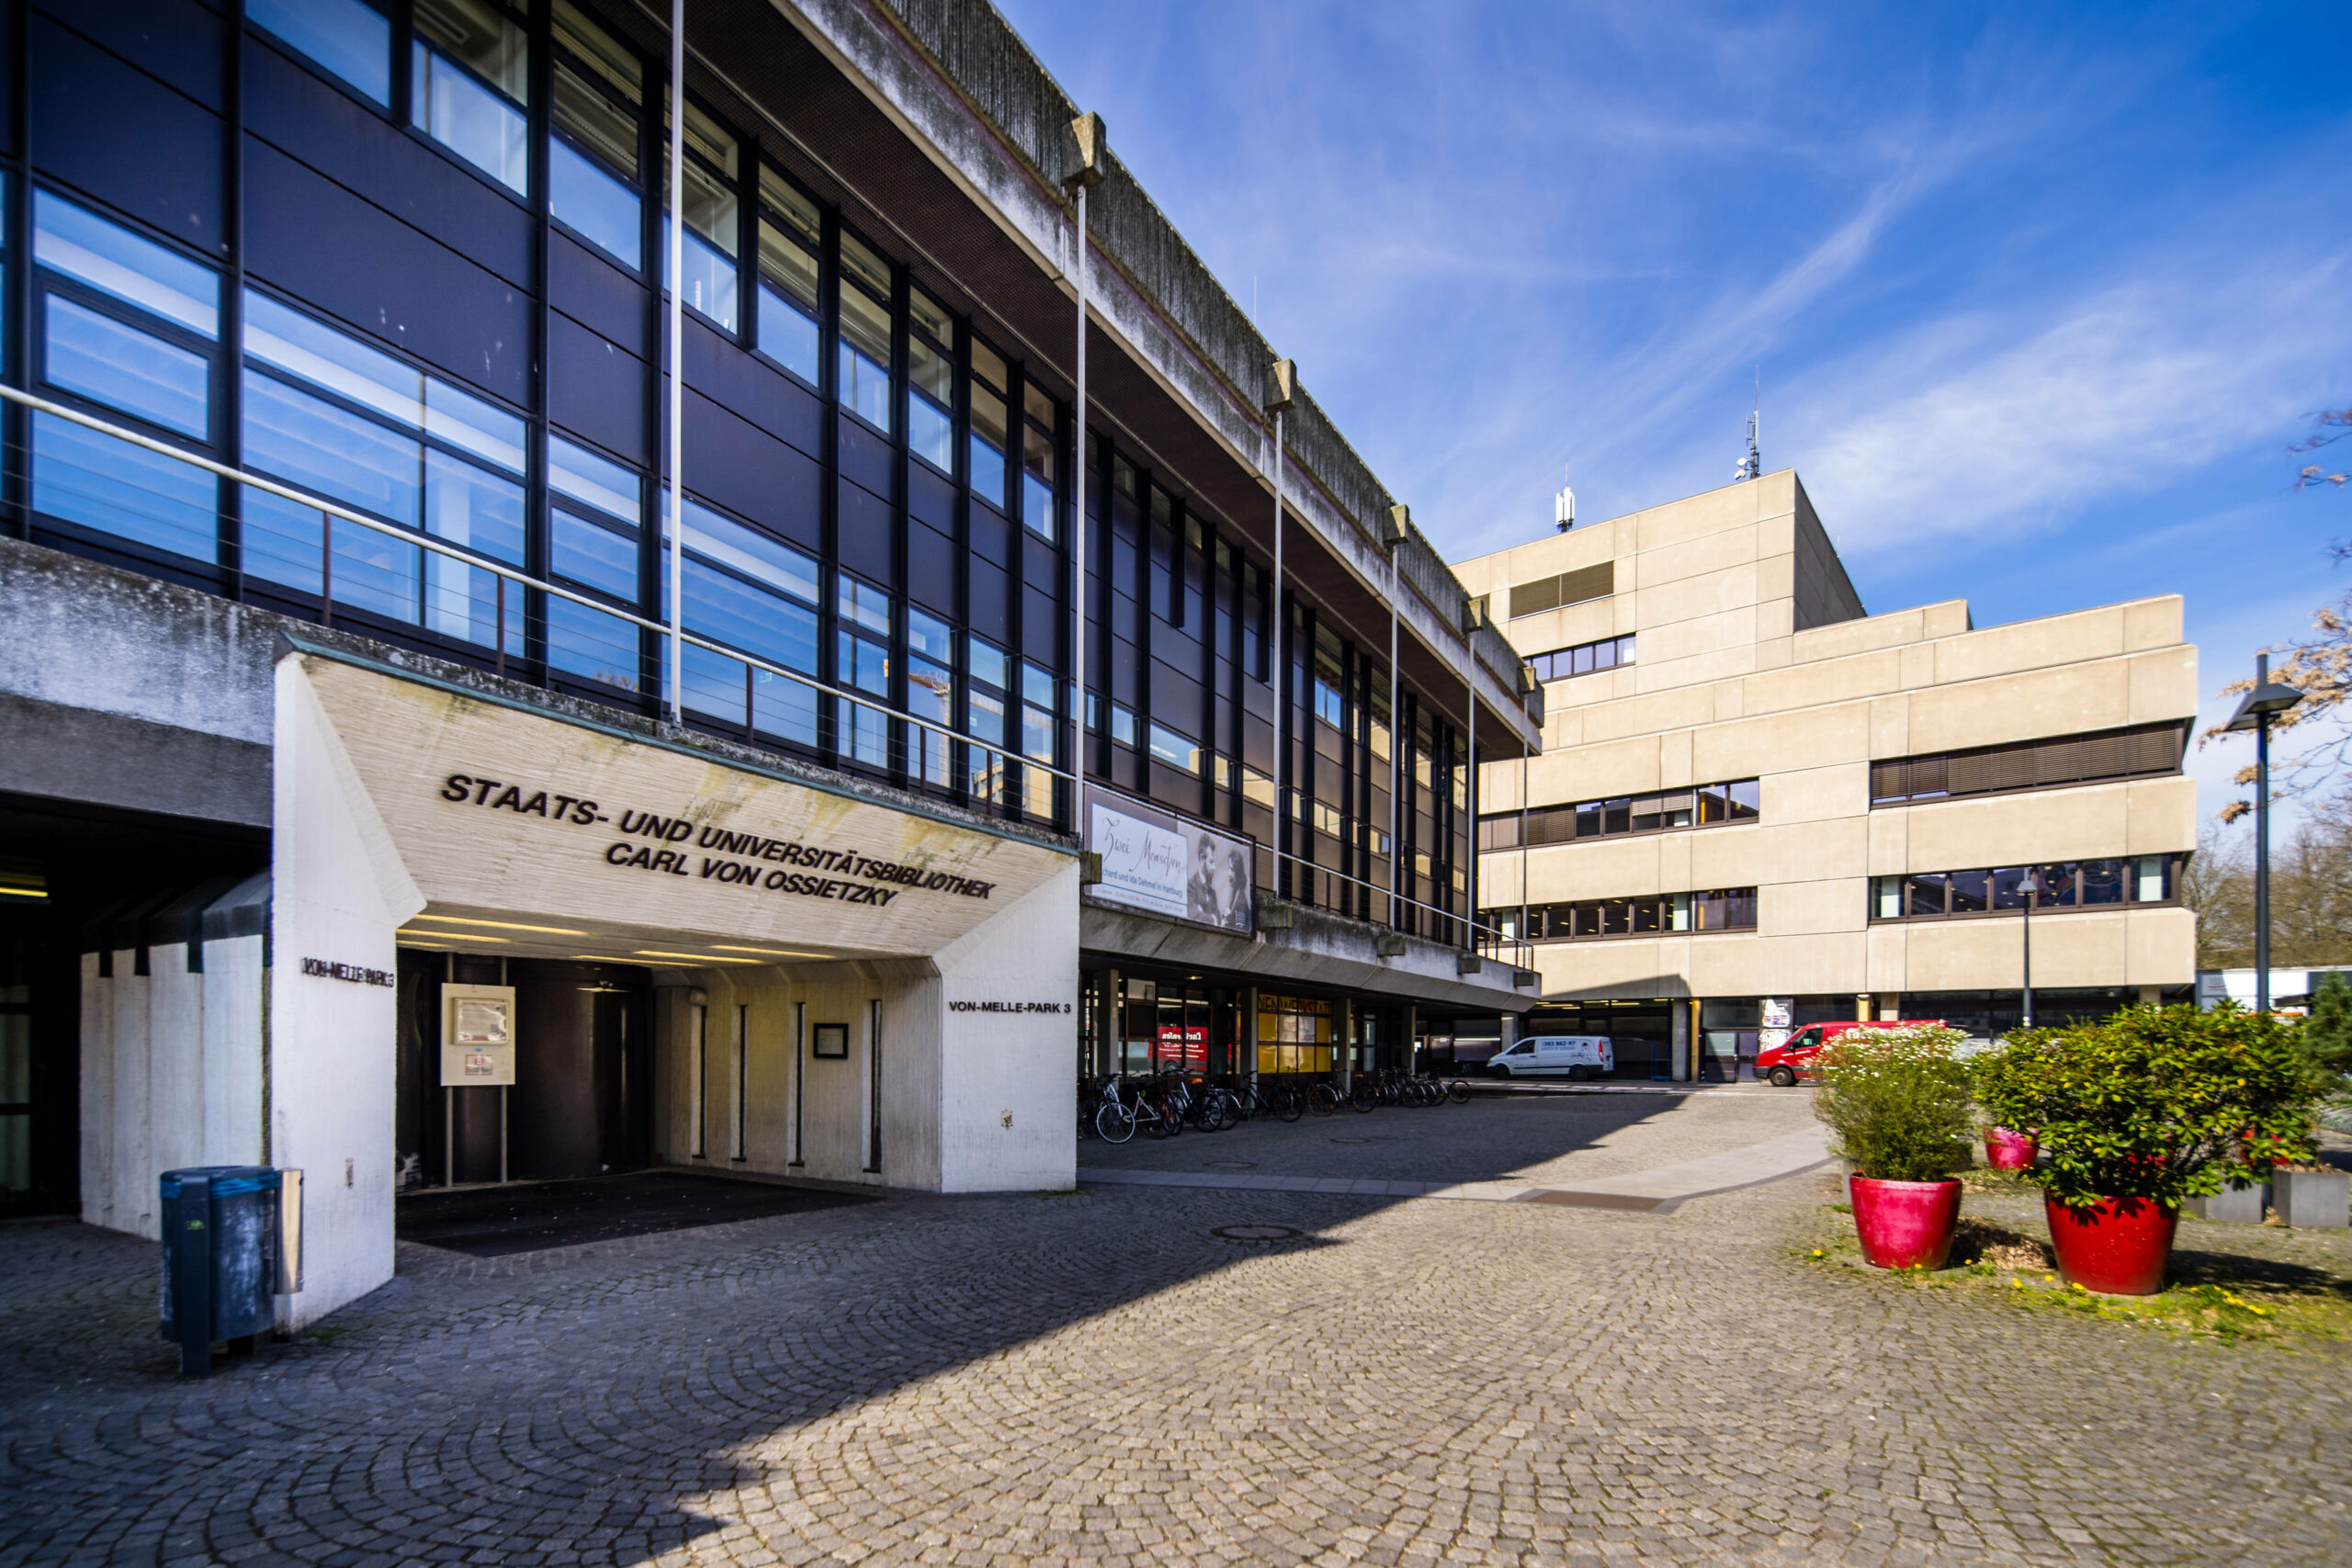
1230 1164
1254 1233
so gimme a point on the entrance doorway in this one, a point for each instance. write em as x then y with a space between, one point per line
582 1103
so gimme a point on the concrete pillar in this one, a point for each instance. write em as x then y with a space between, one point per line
1890 1004
1862 1008
1686 1038
2151 995
1347 1053
1412 1029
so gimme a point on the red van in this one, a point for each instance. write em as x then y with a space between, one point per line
1784 1063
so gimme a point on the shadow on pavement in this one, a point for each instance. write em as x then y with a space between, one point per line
494 1222
540 1391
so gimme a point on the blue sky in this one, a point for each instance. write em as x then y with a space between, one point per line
2041 295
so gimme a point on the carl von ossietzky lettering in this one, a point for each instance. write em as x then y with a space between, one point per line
647 836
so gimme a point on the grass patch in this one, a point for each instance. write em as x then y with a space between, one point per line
2225 1298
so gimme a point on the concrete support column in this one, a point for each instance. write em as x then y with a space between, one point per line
1890 1004
2151 995
1508 1032
1412 1016
1686 1039
1862 1008
1347 1052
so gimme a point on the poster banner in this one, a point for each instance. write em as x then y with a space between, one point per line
1169 865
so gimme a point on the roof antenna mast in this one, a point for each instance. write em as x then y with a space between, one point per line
1752 466
1563 507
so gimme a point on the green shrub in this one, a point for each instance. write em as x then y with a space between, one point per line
2327 1035
1897 1102
2162 1103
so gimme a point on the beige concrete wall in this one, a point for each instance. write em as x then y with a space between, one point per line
1755 659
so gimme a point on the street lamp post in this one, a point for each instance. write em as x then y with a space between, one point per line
2265 701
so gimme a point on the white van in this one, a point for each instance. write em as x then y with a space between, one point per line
1557 1056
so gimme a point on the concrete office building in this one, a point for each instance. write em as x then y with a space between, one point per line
1759 806
390 791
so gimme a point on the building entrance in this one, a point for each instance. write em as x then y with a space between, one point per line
581 1100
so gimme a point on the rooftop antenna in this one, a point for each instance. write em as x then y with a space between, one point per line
1752 466
1563 508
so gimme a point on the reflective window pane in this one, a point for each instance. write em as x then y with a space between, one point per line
100 483
593 204
325 357
591 644
927 633
115 261
985 662
110 362
989 432
768 561
595 482
726 609
788 333
470 77
860 262
473 507
865 605
309 441
796 211
350 38
592 555
482 428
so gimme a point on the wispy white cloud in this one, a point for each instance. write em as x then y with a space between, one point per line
1987 423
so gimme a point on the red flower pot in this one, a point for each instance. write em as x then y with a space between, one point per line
1904 1225
2005 1150
2117 1245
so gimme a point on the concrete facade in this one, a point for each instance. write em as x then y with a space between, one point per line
1754 659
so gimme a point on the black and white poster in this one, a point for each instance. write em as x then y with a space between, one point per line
1165 864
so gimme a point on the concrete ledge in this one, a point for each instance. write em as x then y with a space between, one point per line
1319 948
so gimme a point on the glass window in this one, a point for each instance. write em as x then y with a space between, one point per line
112 362
860 262
593 156
930 425
1925 893
2009 887
580 475
1037 732
2152 878
466 506
710 243
593 555
865 356
327 359
983 660
114 261
1177 750
100 483
465 421
469 82
321 446
1037 685
2102 881
1887 898
1037 480
991 426
769 562
987 722
590 644
790 237
1971 892
345 36
1616 815
864 607
929 635
864 664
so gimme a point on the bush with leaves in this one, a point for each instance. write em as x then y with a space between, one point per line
1897 1100
2161 1103
2327 1036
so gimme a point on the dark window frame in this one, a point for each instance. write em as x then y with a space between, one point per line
2002 900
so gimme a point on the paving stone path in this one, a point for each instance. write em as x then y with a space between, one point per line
1099 1378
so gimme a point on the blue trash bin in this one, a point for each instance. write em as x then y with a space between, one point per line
221 1262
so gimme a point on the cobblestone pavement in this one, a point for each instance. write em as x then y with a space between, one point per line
1096 1377
1548 1139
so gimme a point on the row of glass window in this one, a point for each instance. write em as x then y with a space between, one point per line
470 90
1707 805
2059 884
1716 910
132 327
1565 663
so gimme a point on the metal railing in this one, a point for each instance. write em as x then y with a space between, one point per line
1008 770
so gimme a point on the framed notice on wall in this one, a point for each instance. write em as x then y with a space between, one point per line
829 1041
477 1035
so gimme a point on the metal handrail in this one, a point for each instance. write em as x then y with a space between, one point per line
425 541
